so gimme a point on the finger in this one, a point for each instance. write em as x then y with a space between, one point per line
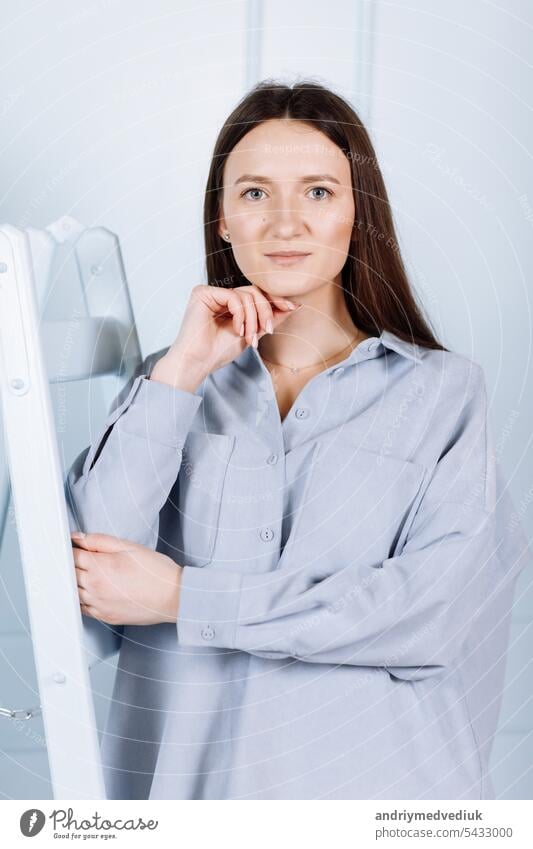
81 577
84 596
224 301
274 302
284 304
250 315
270 308
236 308
263 308
80 558
101 542
229 303
281 314
279 317
86 560
216 297
88 610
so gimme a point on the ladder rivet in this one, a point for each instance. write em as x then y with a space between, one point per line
17 383
96 270
59 678
3 267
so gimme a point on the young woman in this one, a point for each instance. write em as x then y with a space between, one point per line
293 512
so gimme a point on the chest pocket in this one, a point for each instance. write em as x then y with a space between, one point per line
358 505
196 497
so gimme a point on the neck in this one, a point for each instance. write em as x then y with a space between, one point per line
319 330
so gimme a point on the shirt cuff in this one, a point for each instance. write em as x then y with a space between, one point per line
159 412
208 607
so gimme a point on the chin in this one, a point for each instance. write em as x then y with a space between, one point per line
283 284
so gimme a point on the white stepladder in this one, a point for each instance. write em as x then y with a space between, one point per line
32 354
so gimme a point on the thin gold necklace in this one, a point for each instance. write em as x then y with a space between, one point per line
297 369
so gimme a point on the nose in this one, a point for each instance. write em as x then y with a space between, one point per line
286 219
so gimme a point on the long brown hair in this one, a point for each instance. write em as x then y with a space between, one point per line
376 287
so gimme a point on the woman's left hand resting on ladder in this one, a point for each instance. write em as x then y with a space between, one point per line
123 583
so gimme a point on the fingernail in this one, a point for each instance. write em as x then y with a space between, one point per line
269 326
77 535
292 306
242 330
254 340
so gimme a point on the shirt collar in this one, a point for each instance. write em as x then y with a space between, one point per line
407 349
374 346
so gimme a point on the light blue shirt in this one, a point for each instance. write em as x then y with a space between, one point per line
347 585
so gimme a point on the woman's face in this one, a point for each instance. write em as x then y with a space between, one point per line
287 187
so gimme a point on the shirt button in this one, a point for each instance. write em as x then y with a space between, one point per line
272 459
338 370
266 534
208 633
301 412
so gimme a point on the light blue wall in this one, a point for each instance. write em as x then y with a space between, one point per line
109 112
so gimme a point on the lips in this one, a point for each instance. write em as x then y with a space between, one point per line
288 258
287 253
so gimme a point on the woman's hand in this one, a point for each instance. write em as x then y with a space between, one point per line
210 332
123 583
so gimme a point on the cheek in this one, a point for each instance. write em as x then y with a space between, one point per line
246 224
333 222
246 230
247 237
334 235
340 234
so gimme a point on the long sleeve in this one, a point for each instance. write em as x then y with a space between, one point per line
119 484
409 613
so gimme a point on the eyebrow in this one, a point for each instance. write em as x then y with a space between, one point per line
309 178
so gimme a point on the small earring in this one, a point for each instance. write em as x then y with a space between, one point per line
226 236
